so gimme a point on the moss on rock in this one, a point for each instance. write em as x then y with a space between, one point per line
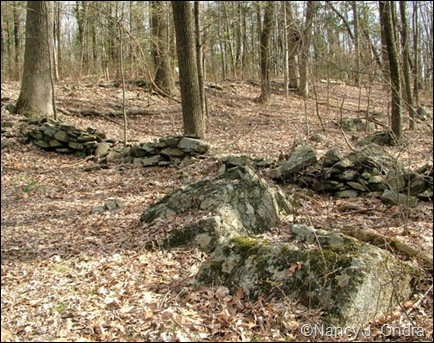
352 281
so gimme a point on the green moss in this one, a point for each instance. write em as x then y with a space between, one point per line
243 246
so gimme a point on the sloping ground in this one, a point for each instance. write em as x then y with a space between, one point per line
71 274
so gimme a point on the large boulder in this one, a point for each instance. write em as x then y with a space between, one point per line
301 157
235 202
353 282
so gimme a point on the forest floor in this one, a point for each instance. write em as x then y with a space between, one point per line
68 274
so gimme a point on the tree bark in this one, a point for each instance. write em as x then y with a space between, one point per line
356 42
305 46
16 19
193 118
160 48
293 49
267 30
199 56
406 62
36 96
389 37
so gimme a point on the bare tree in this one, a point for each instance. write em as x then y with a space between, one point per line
267 31
193 118
36 97
160 48
395 78
406 61
305 46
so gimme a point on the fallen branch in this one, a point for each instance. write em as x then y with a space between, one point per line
91 112
389 243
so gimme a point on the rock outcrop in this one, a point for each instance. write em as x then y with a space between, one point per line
353 282
235 202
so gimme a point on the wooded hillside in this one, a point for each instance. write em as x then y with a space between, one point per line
294 190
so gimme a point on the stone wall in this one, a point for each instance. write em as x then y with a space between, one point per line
62 137
371 171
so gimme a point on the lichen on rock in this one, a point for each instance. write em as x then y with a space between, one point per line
235 202
352 281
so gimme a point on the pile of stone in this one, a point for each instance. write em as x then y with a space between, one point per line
370 171
170 150
61 137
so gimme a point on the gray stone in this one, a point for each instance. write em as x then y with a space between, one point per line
49 130
343 164
347 175
170 141
319 269
136 151
148 149
172 152
347 193
102 149
54 143
327 185
35 135
138 160
380 138
61 136
193 145
417 184
151 161
395 180
357 185
302 157
114 155
233 203
165 163
85 137
65 150
393 198
11 108
331 157
41 143
423 113
112 204
317 138
76 145
188 160
355 124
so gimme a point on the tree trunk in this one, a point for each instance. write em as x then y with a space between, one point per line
58 31
193 118
16 20
293 49
389 38
416 52
36 97
267 30
199 56
406 62
356 42
160 48
285 48
305 46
